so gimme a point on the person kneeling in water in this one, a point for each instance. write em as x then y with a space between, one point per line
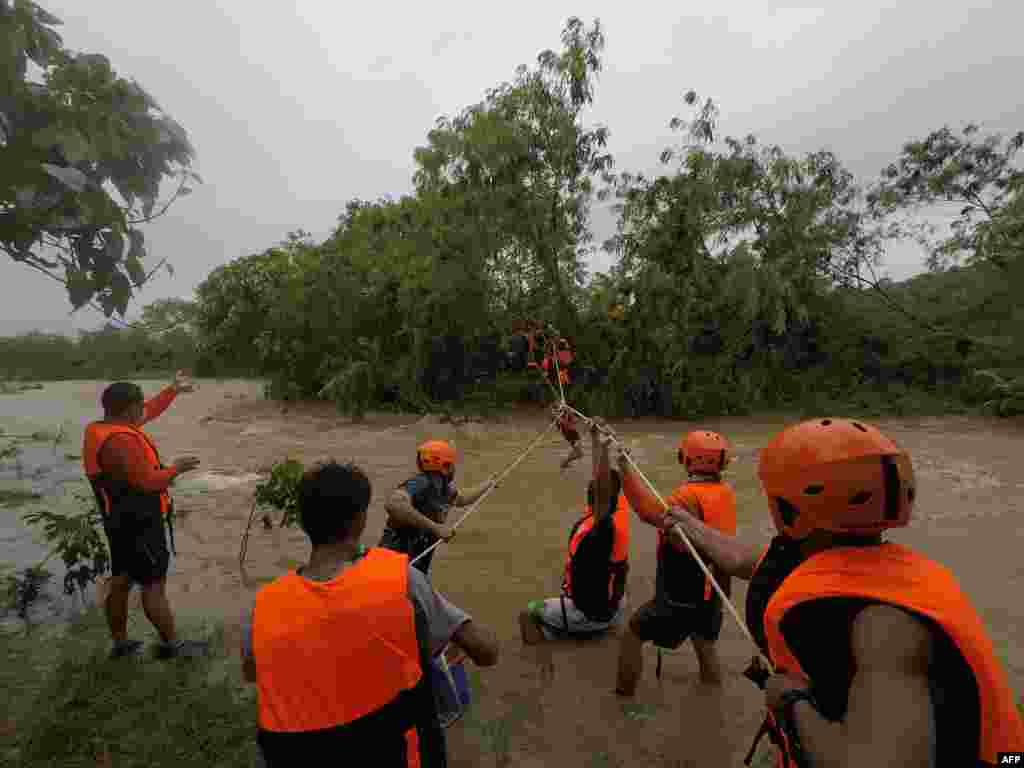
340 650
881 659
594 584
684 604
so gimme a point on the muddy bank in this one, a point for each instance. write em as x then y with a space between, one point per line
511 551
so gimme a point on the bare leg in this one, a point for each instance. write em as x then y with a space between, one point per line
116 606
158 610
631 663
708 661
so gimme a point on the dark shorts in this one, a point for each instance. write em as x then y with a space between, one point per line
670 626
141 555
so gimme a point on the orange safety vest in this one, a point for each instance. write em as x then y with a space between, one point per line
120 504
716 507
340 666
581 528
896 575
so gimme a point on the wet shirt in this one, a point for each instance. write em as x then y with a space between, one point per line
432 496
443 618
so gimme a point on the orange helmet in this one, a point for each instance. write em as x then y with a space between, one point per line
703 452
436 456
836 475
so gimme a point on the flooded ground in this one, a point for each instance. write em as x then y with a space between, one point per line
511 551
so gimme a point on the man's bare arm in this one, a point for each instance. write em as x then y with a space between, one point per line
401 511
465 498
889 719
480 644
731 555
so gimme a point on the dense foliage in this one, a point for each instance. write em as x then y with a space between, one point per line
744 277
83 153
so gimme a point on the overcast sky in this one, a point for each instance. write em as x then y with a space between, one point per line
295 108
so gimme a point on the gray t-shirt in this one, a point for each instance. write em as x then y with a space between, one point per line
443 618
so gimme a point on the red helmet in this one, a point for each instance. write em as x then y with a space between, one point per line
436 456
704 451
836 475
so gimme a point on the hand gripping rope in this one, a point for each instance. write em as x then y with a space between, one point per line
564 406
504 473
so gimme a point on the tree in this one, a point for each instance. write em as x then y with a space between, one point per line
526 164
83 154
973 173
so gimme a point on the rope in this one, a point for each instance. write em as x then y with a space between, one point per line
498 479
693 550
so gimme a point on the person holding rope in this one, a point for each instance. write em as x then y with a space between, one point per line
594 581
879 656
340 650
684 604
418 508
131 486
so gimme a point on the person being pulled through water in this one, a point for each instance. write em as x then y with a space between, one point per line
880 658
418 509
594 584
559 374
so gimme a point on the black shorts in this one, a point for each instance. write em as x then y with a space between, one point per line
140 554
669 626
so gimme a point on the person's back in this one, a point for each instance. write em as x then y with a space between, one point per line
360 628
596 565
340 650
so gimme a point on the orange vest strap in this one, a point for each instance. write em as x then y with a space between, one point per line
898 576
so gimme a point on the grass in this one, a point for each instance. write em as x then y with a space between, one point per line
75 708
13 497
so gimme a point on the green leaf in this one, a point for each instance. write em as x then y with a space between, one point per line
114 246
137 246
75 147
120 293
72 178
135 270
80 289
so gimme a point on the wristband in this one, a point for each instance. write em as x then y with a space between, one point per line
791 698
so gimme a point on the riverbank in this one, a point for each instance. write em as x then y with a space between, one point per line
511 551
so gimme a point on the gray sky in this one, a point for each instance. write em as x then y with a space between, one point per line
294 108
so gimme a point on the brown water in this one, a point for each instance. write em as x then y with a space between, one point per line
512 549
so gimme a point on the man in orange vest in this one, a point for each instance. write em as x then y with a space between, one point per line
593 598
131 488
340 649
880 658
684 606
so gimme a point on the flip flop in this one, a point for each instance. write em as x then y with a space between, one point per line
126 648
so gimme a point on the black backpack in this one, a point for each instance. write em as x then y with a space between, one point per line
590 570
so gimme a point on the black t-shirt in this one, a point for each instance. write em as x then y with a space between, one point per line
432 495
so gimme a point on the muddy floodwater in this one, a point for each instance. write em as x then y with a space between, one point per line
969 516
